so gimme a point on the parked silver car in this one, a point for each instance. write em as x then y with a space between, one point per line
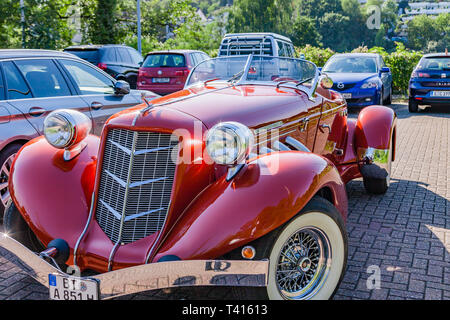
35 82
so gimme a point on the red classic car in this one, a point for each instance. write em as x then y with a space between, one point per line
237 180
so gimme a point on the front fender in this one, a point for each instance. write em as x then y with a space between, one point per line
264 196
54 195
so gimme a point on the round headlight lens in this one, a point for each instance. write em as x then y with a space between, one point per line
229 143
66 128
58 130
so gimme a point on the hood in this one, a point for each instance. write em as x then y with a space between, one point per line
252 105
350 77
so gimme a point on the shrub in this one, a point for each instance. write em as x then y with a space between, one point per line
316 55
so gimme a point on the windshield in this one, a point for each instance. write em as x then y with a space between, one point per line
169 60
274 70
436 63
351 65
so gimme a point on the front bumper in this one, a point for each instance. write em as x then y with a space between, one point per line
148 276
362 97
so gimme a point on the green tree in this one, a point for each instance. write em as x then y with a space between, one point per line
304 32
10 29
261 16
421 30
333 28
318 8
47 23
103 28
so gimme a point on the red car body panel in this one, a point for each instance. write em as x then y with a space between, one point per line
54 196
227 215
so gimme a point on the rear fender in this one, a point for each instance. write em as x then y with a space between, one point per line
375 134
227 215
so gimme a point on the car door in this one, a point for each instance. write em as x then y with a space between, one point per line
331 131
37 87
97 90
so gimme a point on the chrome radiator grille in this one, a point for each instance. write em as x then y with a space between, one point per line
135 184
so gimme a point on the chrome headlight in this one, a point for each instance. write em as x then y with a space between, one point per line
66 128
229 143
370 85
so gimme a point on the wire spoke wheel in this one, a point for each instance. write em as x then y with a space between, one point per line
4 178
303 264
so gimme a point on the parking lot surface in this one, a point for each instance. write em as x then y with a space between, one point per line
399 243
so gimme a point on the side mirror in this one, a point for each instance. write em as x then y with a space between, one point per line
325 82
320 69
385 70
140 63
121 87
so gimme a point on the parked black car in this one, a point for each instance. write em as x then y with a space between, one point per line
121 62
34 83
430 82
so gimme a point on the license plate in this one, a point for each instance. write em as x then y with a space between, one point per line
440 94
161 80
71 288
347 95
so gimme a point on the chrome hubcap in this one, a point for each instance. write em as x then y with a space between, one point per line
4 178
303 264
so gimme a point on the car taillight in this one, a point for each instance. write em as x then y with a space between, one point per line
416 74
102 66
142 73
180 73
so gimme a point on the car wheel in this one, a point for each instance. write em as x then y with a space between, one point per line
16 227
413 106
388 100
381 99
380 186
308 256
6 160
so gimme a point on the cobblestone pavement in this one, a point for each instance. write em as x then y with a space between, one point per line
405 233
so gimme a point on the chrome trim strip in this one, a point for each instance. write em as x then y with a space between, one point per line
141 183
151 150
296 144
111 255
75 250
137 215
126 150
110 209
117 179
280 146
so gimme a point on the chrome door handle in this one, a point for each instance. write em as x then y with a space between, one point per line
96 105
325 126
304 124
36 111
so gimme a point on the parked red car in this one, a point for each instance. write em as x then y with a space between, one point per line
237 180
165 72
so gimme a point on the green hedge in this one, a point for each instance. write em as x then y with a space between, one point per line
402 61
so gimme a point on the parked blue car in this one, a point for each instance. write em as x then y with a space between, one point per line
362 78
430 82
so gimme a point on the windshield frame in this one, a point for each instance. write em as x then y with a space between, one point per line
243 79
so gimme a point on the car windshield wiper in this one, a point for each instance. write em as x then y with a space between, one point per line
235 76
302 82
